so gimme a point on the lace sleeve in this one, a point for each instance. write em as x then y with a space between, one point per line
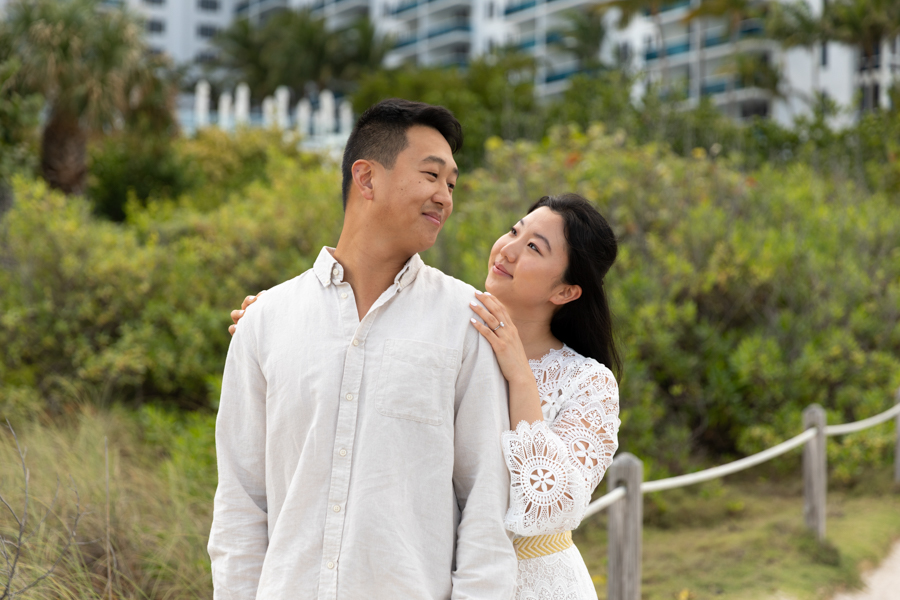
555 466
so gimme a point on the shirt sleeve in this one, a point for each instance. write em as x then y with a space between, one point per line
555 466
485 566
239 535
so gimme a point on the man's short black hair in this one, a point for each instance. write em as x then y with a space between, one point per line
380 133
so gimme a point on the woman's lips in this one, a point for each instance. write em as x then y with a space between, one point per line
500 270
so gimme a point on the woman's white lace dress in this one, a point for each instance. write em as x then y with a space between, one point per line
555 466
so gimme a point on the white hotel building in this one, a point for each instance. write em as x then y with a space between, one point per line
452 32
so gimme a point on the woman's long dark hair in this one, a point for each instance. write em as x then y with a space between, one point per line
585 324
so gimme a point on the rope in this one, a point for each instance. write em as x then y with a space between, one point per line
669 483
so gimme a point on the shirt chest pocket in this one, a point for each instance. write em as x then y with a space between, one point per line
416 381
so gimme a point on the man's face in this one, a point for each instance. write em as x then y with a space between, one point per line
415 198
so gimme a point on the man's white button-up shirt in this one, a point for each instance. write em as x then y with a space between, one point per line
361 459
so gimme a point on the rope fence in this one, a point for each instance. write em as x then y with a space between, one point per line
627 487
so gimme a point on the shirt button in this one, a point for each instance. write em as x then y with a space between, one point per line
336 508
335 272
349 396
342 452
329 564
356 342
344 295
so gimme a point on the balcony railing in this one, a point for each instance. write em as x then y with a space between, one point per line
751 28
715 40
526 43
670 6
514 8
405 41
462 26
679 47
561 75
718 85
403 7
554 37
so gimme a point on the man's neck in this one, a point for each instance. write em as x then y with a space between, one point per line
369 267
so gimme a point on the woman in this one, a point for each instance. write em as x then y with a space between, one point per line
545 313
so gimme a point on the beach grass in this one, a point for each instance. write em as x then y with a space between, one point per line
741 539
745 539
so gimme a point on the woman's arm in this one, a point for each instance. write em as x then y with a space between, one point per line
554 467
524 399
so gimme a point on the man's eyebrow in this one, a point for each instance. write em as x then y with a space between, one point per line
440 161
537 235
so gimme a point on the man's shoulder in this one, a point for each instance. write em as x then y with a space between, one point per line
285 293
448 287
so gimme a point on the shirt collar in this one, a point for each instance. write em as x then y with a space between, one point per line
329 271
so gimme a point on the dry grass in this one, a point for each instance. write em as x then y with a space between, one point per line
158 523
745 540
738 540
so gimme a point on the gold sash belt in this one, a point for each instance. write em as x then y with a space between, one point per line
542 545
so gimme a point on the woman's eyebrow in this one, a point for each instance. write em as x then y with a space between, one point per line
537 235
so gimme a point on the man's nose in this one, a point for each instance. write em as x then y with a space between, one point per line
444 198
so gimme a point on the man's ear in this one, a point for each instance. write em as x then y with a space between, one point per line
566 293
363 172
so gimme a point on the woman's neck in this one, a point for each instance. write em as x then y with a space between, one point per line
534 331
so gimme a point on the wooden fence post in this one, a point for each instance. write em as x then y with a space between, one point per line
897 444
625 528
815 471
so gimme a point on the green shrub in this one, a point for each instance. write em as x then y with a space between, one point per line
141 308
203 170
739 299
130 164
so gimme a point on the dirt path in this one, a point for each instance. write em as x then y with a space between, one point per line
881 584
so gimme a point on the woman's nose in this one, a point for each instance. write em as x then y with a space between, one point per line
509 252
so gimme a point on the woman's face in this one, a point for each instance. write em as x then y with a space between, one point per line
527 264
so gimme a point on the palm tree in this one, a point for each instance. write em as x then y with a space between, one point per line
242 56
755 70
295 48
81 58
300 49
795 26
865 24
734 12
582 36
363 50
630 9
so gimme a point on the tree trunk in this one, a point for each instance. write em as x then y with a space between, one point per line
734 30
663 62
64 153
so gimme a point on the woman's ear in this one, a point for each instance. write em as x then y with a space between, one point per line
363 173
566 293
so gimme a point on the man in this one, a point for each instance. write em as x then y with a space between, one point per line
358 435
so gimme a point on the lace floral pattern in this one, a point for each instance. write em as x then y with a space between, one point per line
556 464
560 576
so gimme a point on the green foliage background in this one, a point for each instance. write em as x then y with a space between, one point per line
739 298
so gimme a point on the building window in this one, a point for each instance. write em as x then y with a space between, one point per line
824 58
156 26
207 31
155 2
490 10
206 57
208 5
